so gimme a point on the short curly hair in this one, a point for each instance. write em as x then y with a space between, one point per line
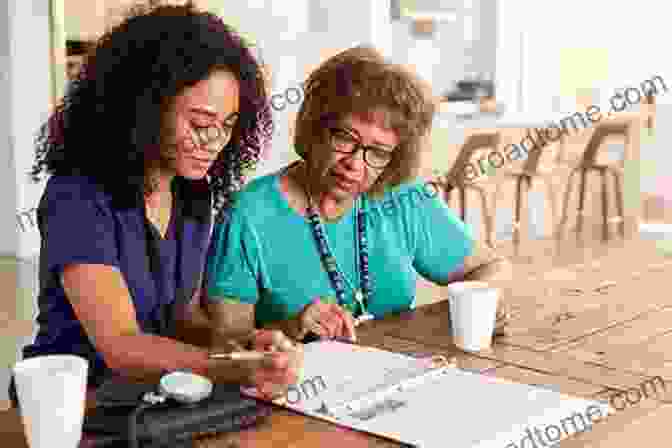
110 121
360 81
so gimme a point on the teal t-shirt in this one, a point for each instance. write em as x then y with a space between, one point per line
265 253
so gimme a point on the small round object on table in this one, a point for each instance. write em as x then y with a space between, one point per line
185 387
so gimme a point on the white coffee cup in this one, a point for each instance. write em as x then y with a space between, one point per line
52 392
473 310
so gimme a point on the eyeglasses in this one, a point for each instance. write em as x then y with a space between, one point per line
345 142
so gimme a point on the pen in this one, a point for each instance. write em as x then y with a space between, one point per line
313 337
241 356
363 318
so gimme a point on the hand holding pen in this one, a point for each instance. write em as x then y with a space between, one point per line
270 360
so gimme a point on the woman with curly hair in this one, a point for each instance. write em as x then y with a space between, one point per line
341 235
159 128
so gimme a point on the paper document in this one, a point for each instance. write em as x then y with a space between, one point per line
414 402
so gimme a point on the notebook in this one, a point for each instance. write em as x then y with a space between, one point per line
421 403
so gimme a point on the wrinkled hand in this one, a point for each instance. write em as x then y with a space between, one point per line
279 369
327 320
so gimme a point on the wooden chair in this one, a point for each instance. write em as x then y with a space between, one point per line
589 162
541 164
456 180
650 102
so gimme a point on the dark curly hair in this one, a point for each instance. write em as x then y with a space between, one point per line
112 115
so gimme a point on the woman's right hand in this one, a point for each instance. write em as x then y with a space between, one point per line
327 320
273 375
277 370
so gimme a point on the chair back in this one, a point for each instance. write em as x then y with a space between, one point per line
650 102
546 156
601 133
473 144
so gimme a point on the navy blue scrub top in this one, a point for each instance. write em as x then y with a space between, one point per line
78 224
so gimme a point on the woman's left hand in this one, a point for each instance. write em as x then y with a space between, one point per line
328 320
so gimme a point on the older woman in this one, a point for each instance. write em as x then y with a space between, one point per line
341 234
168 113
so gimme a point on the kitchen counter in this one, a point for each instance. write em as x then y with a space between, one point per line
500 120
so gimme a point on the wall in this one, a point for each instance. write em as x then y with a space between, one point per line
609 45
24 103
577 53
449 56
8 198
25 85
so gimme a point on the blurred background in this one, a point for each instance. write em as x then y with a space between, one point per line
494 66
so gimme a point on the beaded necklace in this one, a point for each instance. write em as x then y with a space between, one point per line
330 264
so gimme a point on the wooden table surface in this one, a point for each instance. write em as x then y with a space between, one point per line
595 328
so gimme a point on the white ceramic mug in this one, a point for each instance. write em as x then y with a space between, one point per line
473 310
51 391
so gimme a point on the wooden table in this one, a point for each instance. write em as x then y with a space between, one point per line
596 327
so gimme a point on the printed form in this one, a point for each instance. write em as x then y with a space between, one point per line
415 402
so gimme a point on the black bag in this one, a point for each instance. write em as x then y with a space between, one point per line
122 418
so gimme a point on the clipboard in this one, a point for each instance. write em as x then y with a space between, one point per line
424 402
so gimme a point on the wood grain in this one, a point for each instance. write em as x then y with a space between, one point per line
644 425
564 366
560 384
607 343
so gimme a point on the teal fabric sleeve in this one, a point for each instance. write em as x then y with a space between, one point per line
442 240
233 260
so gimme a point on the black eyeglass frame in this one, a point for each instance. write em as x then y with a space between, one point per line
357 141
